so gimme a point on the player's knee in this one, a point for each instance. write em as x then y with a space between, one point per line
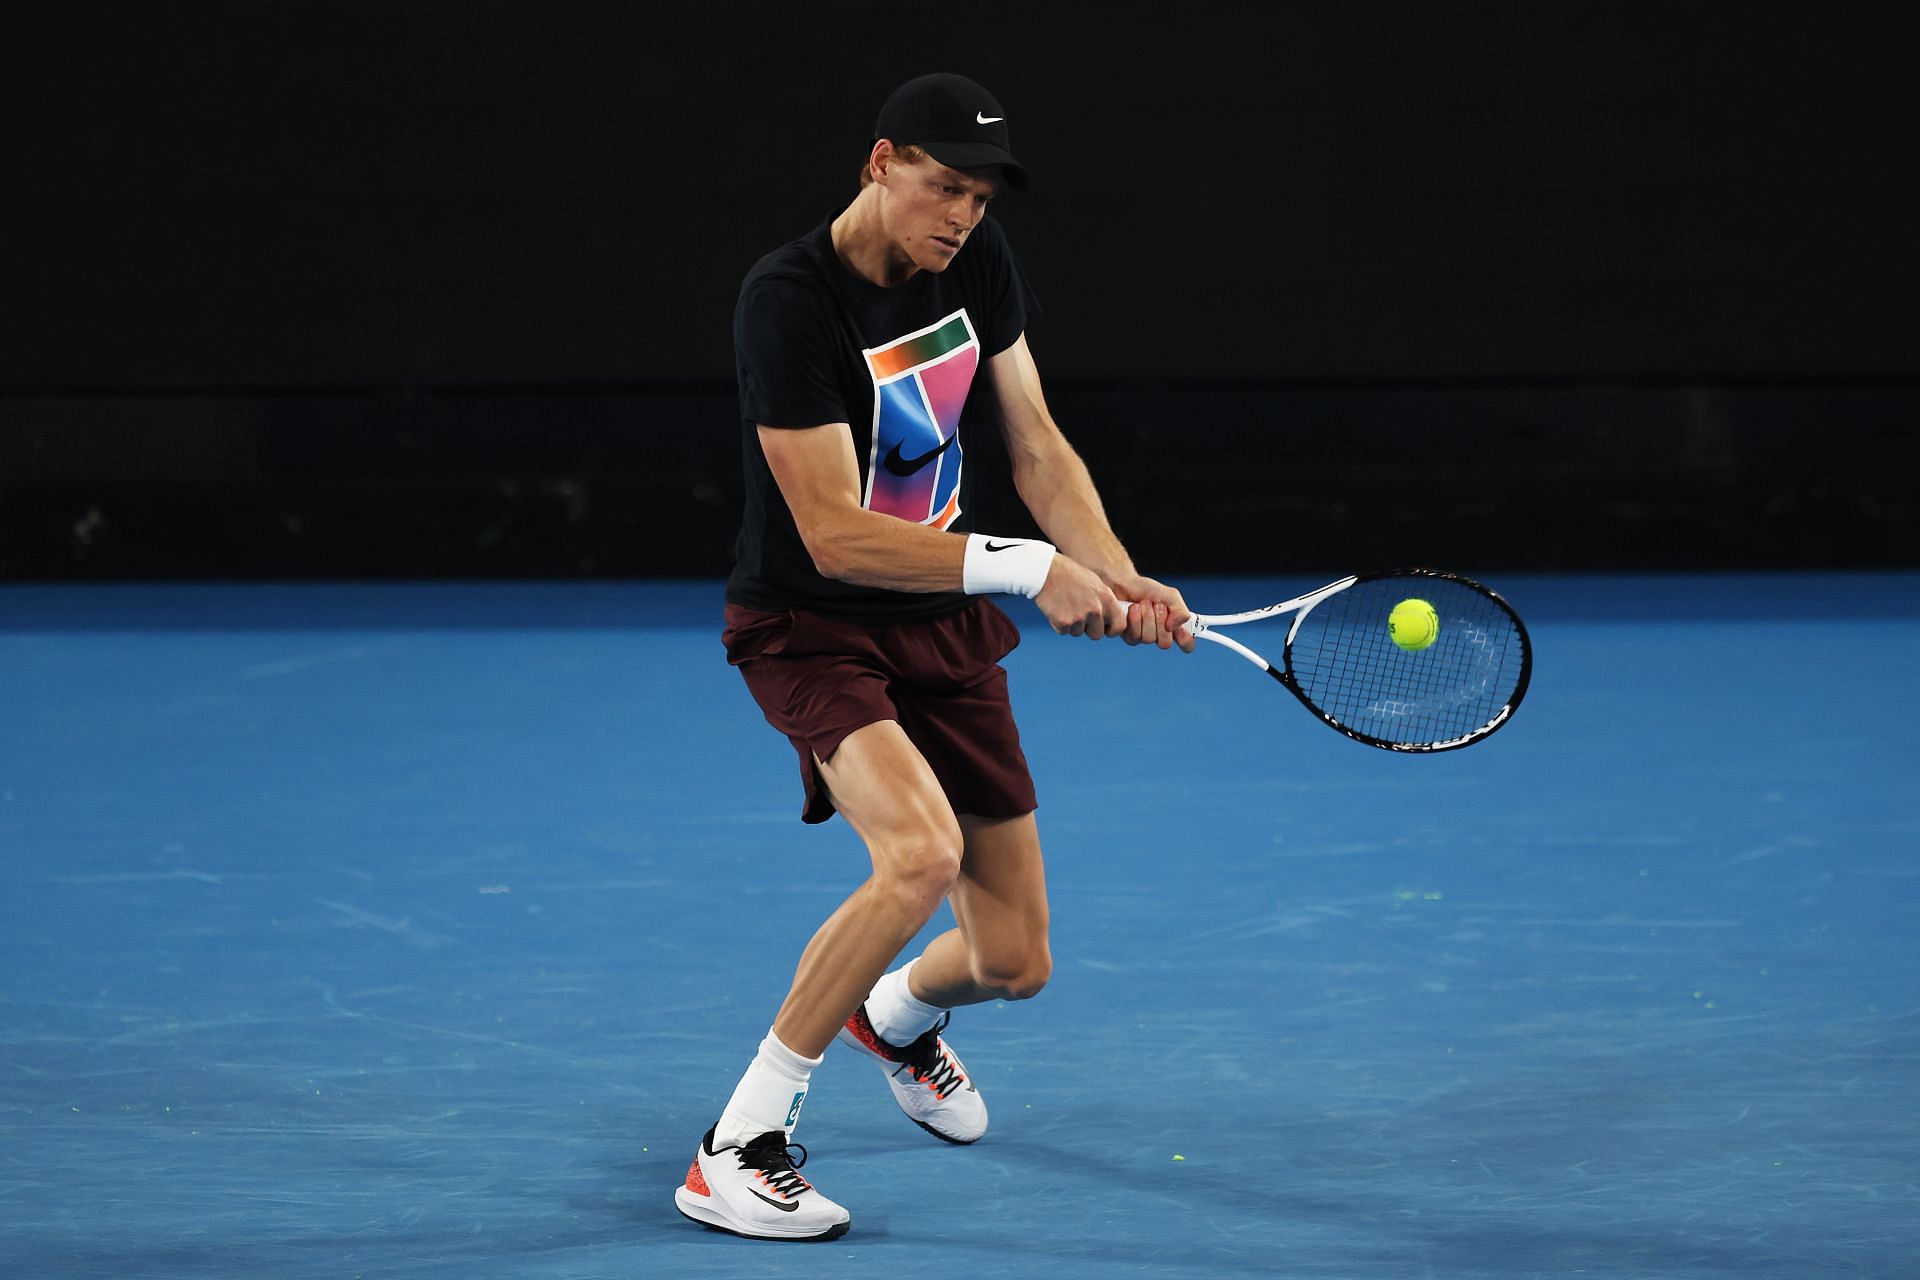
919 868
1030 981
1018 977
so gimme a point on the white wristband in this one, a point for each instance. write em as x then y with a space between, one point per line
1017 566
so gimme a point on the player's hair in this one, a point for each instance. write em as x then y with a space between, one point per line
909 154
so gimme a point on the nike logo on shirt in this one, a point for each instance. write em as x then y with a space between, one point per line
907 466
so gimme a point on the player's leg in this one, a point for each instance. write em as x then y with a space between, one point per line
957 712
887 793
883 788
999 952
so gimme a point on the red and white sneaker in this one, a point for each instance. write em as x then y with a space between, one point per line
756 1191
929 1081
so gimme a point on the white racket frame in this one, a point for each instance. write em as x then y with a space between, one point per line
1203 624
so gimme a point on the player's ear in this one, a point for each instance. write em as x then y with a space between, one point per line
880 160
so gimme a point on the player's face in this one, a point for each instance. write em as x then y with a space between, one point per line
933 209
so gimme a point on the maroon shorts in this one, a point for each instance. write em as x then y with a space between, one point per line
818 679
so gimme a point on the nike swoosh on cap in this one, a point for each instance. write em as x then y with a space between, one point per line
907 466
984 118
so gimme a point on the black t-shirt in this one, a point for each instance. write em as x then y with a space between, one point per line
816 344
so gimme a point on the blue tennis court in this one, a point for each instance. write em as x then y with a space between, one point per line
398 930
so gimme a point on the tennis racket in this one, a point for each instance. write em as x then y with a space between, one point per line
1342 662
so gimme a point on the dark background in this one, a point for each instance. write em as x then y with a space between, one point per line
444 288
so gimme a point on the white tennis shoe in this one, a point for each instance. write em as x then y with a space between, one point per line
757 1191
929 1081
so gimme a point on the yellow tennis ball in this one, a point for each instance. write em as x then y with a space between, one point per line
1413 624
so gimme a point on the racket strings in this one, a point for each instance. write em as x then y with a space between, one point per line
1346 664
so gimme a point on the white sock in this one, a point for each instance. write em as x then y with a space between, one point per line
897 1017
768 1096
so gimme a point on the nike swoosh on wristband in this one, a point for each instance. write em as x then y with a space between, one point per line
984 118
907 466
1002 546
784 1208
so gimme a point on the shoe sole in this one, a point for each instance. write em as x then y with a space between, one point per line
695 1210
946 1137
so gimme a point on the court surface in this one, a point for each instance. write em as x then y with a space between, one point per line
399 931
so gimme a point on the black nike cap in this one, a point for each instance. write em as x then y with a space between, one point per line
953 120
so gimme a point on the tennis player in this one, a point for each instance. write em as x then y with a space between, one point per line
860 614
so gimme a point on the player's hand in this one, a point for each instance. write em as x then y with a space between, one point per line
1077 603
1157 614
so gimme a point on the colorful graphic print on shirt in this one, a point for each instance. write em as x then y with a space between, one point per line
920 383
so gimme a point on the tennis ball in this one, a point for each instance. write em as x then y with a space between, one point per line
1413 624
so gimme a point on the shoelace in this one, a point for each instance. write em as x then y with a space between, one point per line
930 1066
772 1156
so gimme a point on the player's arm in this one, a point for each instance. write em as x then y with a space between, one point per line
1054 484
819 476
